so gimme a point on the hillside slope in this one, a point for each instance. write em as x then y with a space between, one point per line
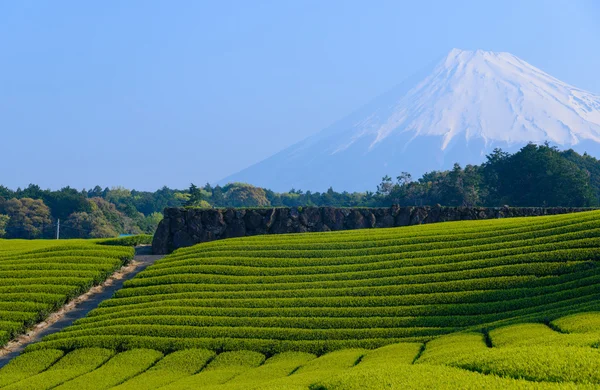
320 292
561 355
37 277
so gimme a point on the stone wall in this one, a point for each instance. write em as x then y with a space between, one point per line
185 227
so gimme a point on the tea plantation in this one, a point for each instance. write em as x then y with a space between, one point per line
37 277
497 304
563 354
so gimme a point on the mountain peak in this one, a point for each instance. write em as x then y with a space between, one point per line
465 105
494 96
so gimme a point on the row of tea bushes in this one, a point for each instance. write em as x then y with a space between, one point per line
524 356
38 277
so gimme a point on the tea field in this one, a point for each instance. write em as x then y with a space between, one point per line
38 277
320 292
563 354
508 303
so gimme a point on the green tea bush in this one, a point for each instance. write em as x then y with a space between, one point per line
392 375
37 277
510 357
71 366
537 363
223 368
325 366
278 366
117 370
172 368
578 323
140 239
28 365
540 335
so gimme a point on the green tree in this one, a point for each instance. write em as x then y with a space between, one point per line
65 202
198 197
29 218
538 175
120 222
3 222
88 225
6 193
96 192
385 187
150 223
218 198
245 195
32 191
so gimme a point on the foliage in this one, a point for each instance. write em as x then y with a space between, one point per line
173 367
245 195
465 360
28 218
325 366
63 203
86 214
71 366
276 367
500 304
537 363
405 353
541 335
82 225
3 222
223 368
394 375
454 346
117 370
578 323
140 239
37 277
537 175
27 365
150 222
318 292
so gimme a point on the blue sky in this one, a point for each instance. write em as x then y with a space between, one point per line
150 93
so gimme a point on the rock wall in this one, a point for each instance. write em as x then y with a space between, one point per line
185 227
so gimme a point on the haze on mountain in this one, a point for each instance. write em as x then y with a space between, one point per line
457 110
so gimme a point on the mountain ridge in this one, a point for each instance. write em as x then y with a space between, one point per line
466 105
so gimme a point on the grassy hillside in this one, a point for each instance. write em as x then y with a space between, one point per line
320 292
37 277
561 355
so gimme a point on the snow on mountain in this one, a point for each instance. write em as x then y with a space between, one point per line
458 111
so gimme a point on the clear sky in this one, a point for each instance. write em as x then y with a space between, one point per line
150 93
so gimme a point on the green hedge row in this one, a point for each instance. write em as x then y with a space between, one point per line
39 276
211 275
140 239
326 253
408 231
587 294
582 238
571 245
450 235
89 250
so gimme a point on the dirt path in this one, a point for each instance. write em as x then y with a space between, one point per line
80 306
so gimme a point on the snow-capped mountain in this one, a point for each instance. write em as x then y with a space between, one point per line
457 111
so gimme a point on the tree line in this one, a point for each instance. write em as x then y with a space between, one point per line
536 175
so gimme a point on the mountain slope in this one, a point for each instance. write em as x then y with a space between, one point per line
457 111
